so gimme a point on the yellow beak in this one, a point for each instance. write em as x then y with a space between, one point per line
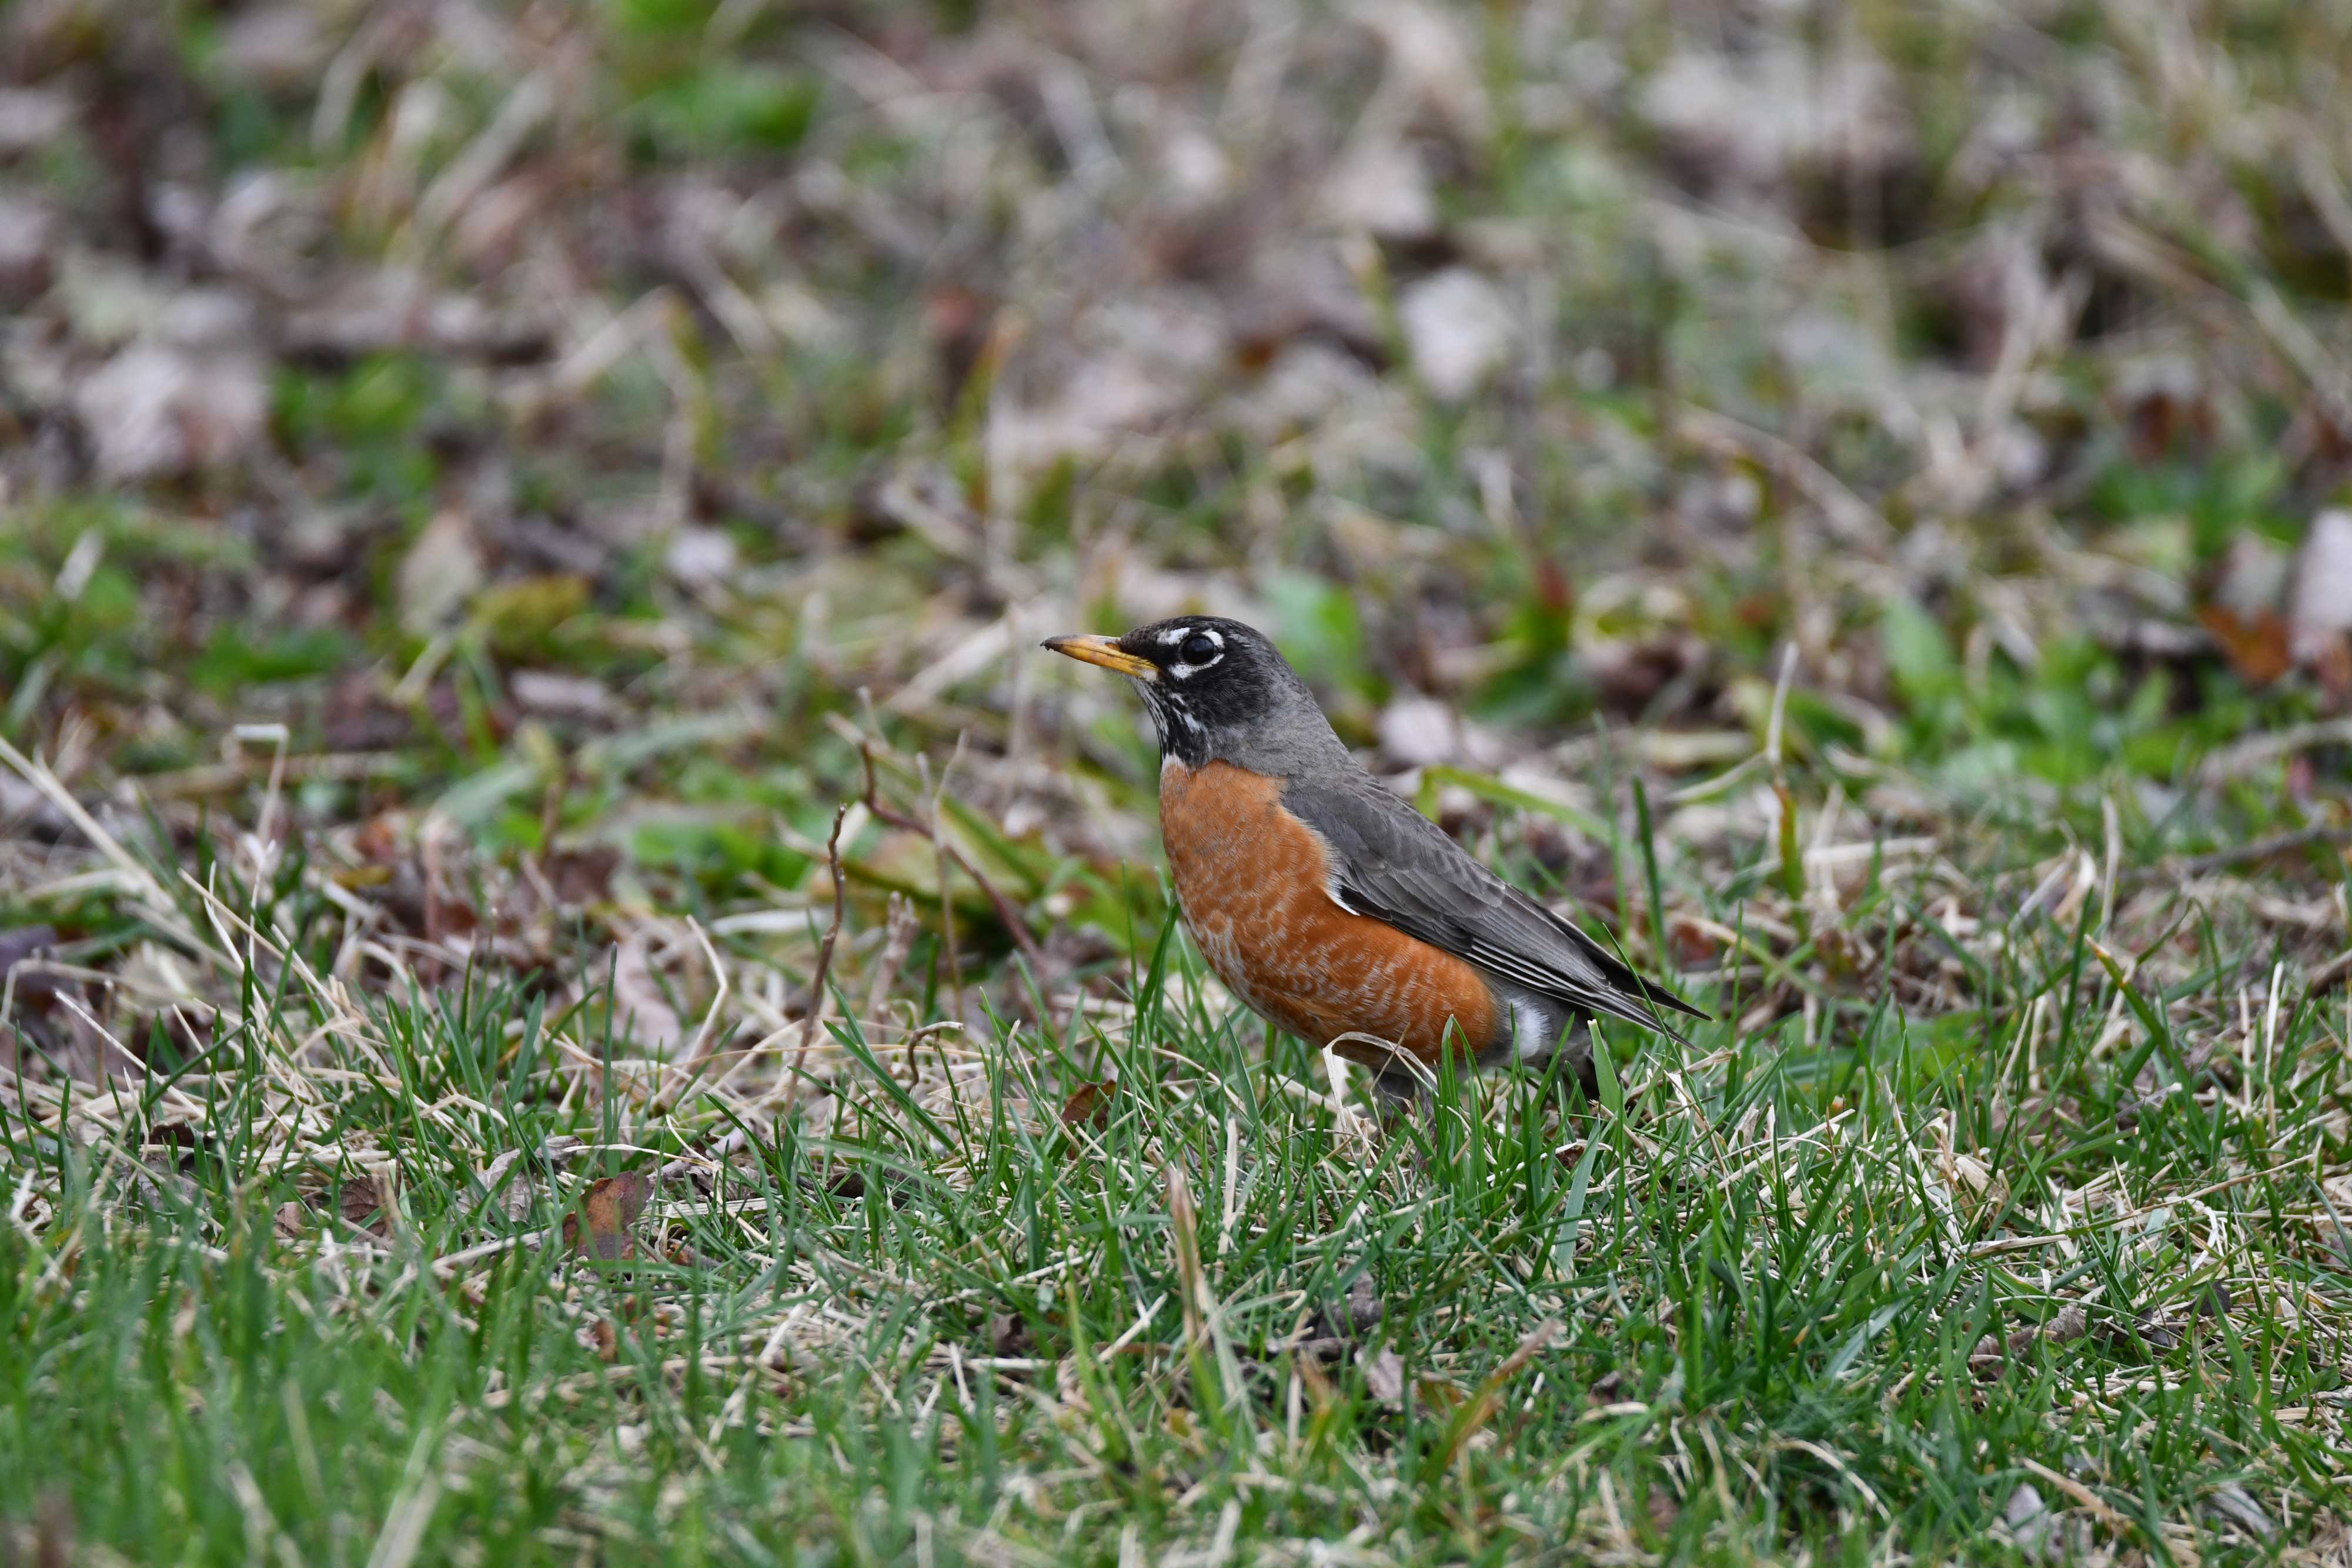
1106 653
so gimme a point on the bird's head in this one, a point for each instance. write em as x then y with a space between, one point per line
1217 690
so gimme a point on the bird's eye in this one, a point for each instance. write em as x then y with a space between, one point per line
1200 648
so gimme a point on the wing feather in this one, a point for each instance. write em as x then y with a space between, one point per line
1396 865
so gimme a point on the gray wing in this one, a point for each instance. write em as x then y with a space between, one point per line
1396 865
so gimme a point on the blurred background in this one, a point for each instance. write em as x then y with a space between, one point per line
606 436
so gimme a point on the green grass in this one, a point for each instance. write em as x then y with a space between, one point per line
1735 1320
2012 1031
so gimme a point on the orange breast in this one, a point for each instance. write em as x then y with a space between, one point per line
1251 880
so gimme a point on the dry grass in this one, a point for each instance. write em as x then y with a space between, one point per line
571 992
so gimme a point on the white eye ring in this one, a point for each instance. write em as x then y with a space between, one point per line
1197 663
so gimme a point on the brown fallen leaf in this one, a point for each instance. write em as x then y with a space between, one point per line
1384 1375
1439 1395
1364 1306
365 1203
1089 1105
518 1196
582 876
1990 1356
1008 1335
2256 646
604 1227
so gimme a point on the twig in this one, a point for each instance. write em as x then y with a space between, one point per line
816 1020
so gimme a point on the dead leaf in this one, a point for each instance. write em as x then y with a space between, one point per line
1089 1105
1458 331
2071 1323
442 570
156 410
2032 1526
1384 1375
507 1182
2237 1505
2256 645
2162 1331
1008 1335
1439 1395
604 1228
1990 1355
1319 1390
365 1202
584 876
1975 1184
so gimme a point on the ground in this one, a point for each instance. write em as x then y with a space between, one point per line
576 989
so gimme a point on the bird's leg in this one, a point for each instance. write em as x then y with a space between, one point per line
1400 1094
1576 1052
1400 1086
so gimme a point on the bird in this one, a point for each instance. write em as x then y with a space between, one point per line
1327 902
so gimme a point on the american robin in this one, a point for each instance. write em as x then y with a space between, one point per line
1324 900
